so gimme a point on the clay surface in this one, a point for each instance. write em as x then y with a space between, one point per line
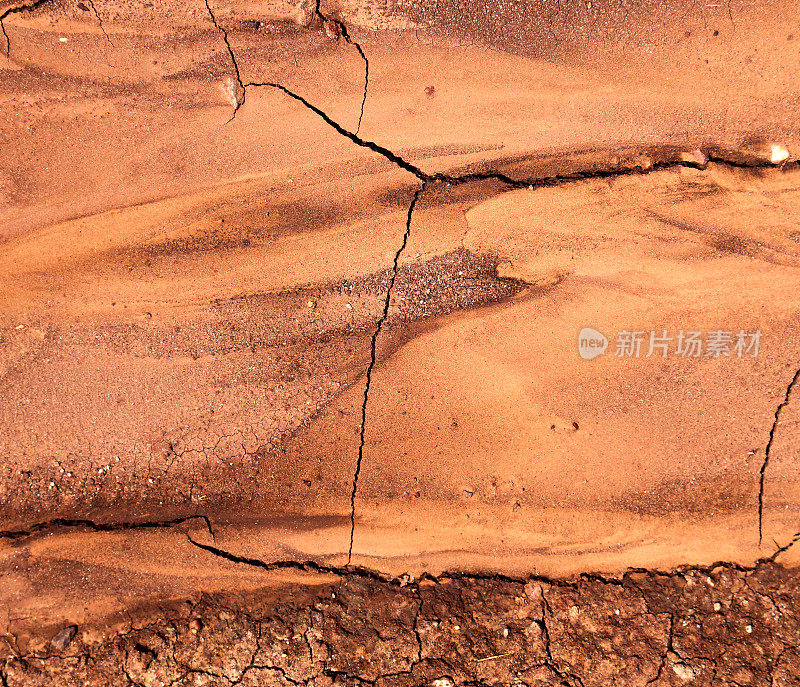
292 291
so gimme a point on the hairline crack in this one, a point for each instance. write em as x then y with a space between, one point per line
767 453
343 30
371 366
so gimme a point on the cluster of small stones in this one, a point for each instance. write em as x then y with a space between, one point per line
719 626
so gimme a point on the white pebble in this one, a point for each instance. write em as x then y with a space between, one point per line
683 671
778 153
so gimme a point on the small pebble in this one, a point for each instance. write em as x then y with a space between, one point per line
695 157
195 625
683 671
778 153
63 637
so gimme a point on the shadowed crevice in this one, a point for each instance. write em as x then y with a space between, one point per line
49 526
365 573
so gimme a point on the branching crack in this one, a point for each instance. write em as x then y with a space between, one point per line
566 677
241 94
668 649
342 29
241 86
767 451
425 177
371 366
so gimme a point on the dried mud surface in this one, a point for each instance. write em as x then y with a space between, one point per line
723 625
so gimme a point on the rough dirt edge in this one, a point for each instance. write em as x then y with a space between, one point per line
724 624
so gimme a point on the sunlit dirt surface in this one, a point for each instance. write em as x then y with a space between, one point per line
292 297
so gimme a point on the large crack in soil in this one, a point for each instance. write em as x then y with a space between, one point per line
56 524
372 359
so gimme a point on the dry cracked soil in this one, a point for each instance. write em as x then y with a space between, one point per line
399 342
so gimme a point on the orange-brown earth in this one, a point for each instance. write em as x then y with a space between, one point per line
292 284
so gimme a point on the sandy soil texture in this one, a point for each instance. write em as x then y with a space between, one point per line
317 288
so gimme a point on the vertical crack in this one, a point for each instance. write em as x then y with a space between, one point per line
5 35
366 84
99 20
767 450
371 366
668 649
241 86
567 678
342 29
22 7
